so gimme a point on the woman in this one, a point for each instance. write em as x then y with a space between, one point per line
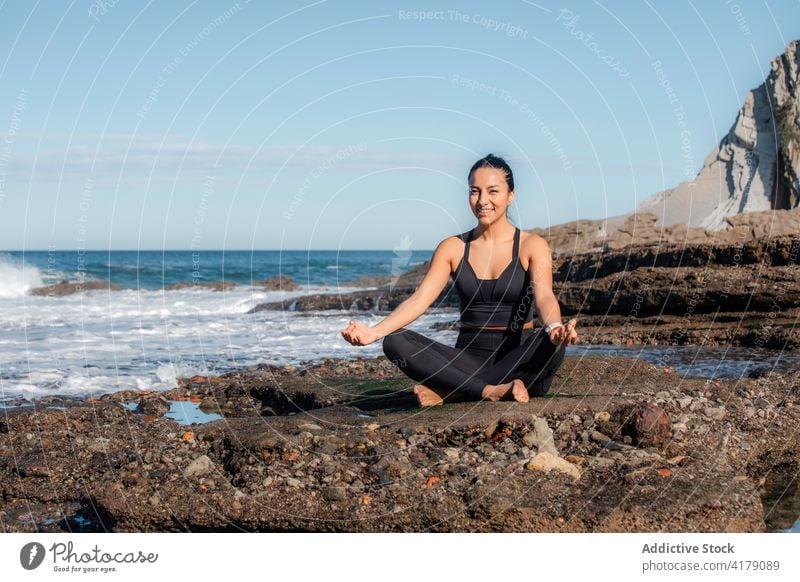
497 355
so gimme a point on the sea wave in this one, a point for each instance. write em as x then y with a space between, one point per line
16 278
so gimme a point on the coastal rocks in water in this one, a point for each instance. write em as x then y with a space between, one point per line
212 285
66 288
382 299
278 283
641 294
153 404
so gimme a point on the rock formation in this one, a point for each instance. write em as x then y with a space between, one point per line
755 167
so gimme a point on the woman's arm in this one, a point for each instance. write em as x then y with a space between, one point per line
540 268
426 293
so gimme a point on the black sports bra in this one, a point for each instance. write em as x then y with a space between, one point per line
505 301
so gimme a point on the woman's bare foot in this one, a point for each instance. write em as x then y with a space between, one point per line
514 390
426 396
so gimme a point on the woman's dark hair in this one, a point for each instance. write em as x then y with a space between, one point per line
496 162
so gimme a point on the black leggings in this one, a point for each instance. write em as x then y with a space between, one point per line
480 357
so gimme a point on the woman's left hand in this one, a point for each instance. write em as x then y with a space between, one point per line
566 334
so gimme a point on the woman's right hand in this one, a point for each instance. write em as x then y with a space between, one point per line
359 334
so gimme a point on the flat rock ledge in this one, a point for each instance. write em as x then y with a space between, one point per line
341 446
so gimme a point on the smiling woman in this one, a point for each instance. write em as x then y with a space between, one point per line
498 354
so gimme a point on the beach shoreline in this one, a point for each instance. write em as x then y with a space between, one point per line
341 446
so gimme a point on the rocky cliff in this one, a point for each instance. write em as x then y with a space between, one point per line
755 167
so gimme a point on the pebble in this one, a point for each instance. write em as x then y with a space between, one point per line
685 401
202 465
546 462
310 426
407 432
334 493
663 395
598 437
451 454
715 413
603 416
292 482
603 462
540 437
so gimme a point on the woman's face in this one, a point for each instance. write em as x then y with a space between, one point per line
488 194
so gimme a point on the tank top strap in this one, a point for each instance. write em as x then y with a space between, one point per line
515 252
467 239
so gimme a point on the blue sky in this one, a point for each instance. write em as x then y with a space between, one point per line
343 125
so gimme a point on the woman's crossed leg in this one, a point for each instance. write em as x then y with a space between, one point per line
451 374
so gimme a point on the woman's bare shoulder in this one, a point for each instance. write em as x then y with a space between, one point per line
532 242
450 250
533 247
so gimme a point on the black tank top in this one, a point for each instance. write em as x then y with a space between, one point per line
505 301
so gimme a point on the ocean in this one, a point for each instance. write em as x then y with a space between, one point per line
144 337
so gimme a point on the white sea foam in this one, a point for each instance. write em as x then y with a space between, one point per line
17 279
96 342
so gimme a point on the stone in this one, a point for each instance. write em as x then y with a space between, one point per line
309 426
334 493
717 413
451 454
202 465
646 424
547 462
541 437
598 437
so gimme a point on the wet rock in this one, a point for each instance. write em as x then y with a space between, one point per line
278 283
66 288
212 285
155 405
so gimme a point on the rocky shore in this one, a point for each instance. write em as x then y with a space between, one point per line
341 446
744 293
